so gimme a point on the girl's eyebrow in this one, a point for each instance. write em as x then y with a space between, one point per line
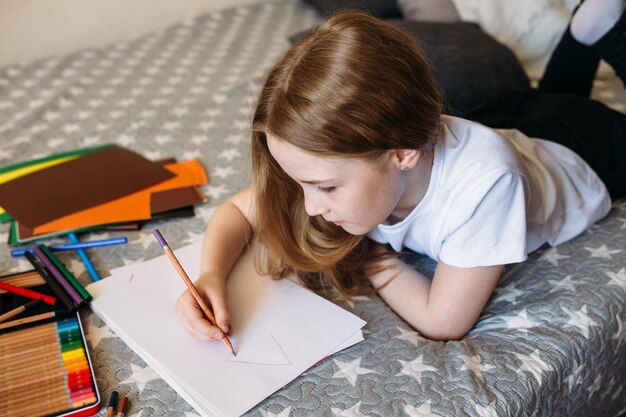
314 182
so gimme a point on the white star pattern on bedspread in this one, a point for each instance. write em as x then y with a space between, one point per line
285 413
617 278
141 376
475 364
415 368
533 364
350 370
565 284
579 319
95 334
349 412
410 336
602 252
552 255
519 322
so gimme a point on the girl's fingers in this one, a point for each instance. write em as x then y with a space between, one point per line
193 319
218 304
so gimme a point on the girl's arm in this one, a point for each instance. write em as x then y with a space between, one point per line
227 234
444 308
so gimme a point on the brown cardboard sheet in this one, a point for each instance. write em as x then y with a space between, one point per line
166 200
131 207
75 185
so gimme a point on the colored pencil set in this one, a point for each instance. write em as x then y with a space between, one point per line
45 370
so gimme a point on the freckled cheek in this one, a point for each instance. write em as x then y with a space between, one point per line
357 209
380 207
361 216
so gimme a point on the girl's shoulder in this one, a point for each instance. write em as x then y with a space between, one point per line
463 133
472 150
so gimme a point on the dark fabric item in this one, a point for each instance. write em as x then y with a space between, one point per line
469 65
571 69
612 48
386 9
589 128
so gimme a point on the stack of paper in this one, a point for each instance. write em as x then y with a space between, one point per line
279 330
94 187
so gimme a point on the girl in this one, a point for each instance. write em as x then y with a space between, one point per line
352 156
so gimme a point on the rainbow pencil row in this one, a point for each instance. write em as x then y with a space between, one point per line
44 370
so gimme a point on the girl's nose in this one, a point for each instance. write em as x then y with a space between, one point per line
313 206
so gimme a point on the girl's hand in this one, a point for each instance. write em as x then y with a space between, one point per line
213 291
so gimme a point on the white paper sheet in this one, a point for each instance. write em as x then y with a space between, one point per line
279 330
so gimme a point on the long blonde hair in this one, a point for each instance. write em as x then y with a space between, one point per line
356 87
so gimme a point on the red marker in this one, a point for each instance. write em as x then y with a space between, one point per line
27 293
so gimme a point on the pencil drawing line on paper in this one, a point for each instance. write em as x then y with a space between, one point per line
262 363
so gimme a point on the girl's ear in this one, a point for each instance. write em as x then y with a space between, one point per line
405 159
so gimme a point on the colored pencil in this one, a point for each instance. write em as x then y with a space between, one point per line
76 246
26 384
31 371
52 283
122 408
25 320
112 404
8 350
194 292
18 310
21 334
19 362
29 398
77 300
30 404
66 273
83 257
48 299
23 279
12 353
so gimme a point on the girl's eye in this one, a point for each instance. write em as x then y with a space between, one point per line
327 189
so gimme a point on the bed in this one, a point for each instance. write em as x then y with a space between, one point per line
551 342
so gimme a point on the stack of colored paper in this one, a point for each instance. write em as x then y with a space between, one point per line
103 187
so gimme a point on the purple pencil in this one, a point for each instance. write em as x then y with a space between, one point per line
56 274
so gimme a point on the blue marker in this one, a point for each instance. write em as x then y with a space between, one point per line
76 246
83 257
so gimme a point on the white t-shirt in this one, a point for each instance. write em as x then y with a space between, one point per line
495 196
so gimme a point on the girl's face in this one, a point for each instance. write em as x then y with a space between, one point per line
353 193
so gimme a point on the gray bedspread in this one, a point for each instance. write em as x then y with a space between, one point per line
551 342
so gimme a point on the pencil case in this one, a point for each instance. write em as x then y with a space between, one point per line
45 367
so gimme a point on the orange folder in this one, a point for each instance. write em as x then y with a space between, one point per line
131 207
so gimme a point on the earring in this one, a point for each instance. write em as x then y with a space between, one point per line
405 168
